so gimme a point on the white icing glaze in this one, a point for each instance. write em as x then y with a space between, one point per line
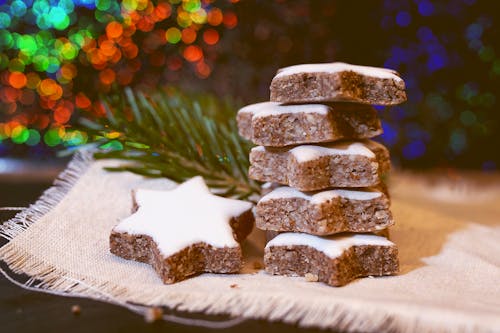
181 217
359 195
265 109
334 67
257 107
285 192
287 109
306 153
266 185
258 148
332 246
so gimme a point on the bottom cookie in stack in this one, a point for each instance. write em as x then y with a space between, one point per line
335 260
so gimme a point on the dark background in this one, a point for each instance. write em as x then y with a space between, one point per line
447 52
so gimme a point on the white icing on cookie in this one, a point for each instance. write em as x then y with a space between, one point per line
258 148
332 246
257 107
285 192
184 216
273 110
306 153
348 194
265 109
335 67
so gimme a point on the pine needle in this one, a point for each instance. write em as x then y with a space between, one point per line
167 133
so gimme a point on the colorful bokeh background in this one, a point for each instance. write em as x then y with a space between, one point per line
58 56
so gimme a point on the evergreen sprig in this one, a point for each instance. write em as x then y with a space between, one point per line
168 133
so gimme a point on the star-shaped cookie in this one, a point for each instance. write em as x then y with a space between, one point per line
183 232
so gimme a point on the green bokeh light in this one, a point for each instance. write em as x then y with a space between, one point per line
40 7
112 145
18 8
20 134
4 20
173 35
67 6
103 4
43 21
6 39
34 138
75 138
40 63
58 18
69 51
191 5
27 44
53 65
51 138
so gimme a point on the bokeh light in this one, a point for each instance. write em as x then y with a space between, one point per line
56 57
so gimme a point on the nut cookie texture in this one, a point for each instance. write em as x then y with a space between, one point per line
316 167
335 260
184 232
337 82
324 212
277 125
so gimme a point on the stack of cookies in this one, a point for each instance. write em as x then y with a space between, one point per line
326 204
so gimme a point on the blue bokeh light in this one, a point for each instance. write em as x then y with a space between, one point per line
403 19
414 150
426 8
425 34
474 31
390 136
436 61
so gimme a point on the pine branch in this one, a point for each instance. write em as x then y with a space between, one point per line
171 134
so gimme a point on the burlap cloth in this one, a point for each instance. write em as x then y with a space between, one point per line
448 236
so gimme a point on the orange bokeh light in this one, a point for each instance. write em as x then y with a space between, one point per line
130 51
162 11
47 87
188 35
68 71
62 114
107 76
193 53
215 17
82 101
230 20
211 36
114 30
203 70
108 48
17 80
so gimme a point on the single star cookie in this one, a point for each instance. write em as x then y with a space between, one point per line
317 167
337 82
334 260
183 232
277 125
324 212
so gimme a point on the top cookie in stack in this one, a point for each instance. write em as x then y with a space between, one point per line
337 82
283 122
313 138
